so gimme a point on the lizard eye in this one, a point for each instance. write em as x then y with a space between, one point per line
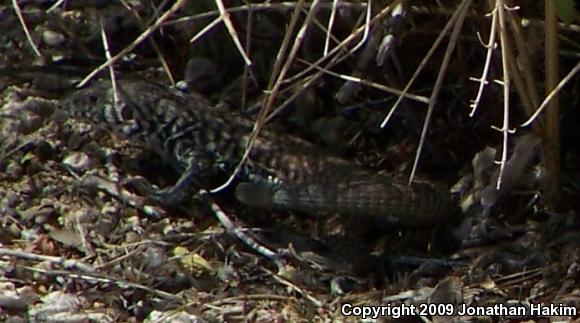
126 111
93 99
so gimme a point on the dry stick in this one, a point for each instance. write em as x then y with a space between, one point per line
205 29
266 104
225 17
377 86
462 13
364 59
293 286
27 139
525 86
25 28
490 46
422 65
231 228
136 42
285 45
520 278
524 63
529 273
152 41
247 70
55 5
260 7
64 262
102 279
518 80
269 102
111 249
561 84
506 86
278 77
335 51
249 297
509 61
110 67
118 192
367 27
320 25
552 130
330 25
334 60
119 259
525 92
116 99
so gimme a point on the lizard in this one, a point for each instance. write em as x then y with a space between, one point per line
282 171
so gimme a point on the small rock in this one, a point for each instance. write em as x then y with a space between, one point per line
13 169
52 38
78 161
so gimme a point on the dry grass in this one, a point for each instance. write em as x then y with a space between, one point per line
306 61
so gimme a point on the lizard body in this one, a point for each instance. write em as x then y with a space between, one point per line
199 141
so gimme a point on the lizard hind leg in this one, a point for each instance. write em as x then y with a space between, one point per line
178 192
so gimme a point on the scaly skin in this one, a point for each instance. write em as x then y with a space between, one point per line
283 172
357 193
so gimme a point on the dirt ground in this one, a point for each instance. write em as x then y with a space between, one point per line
81 241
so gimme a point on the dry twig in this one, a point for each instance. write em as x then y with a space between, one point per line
25 27
136 42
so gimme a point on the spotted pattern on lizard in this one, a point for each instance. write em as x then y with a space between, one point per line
199 141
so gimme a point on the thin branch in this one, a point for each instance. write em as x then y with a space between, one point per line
500 7
64 262
55 5
294 287
289 5
111 67
490 46
205 30
422 65
461 14
124 284
225 17
367 28
142 24
25 27
330 25
552 116
553 93
273 87
231 228
524 62
377 86
248 42
334 58
136 42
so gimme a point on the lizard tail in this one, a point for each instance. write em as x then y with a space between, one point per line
379 197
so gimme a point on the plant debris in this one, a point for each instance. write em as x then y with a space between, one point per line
81 239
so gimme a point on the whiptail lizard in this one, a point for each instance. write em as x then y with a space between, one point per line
282 172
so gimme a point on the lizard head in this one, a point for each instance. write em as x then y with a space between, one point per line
99 103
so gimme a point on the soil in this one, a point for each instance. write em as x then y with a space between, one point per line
81 240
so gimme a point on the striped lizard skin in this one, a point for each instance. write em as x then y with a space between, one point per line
282 171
